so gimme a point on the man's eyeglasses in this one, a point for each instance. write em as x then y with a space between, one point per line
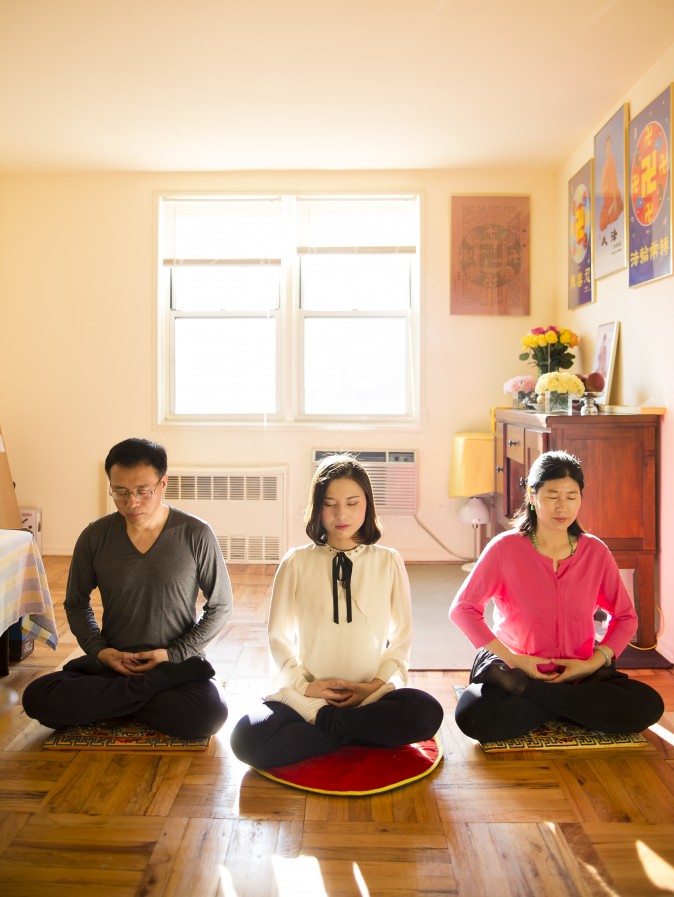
141 494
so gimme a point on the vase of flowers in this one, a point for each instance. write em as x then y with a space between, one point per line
520 388
548 348
557 390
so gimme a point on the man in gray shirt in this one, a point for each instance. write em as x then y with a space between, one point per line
149 562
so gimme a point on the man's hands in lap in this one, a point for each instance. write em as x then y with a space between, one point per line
132 664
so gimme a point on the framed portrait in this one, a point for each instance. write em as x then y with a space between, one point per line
489 255
580 237
604 357
609 230
650 191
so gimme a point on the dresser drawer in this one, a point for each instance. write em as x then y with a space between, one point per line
514 443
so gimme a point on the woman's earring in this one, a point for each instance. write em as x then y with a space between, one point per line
532 507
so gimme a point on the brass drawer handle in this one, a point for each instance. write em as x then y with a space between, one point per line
512 442
499 470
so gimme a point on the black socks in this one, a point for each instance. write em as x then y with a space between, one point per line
186 671
513 681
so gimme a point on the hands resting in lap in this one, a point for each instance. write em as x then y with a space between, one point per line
341 692
132 664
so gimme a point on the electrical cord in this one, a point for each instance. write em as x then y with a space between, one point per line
458 556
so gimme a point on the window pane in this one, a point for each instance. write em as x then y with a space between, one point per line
225 287
349 221
355 366
225 366
341 282
221 229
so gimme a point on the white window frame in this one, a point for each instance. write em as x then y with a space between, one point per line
290 318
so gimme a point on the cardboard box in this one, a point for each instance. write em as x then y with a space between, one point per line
9 507
31 518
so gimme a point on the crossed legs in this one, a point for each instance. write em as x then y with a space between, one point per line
277 735
503 706
180 699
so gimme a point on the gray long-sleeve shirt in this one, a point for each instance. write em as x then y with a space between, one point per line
149 600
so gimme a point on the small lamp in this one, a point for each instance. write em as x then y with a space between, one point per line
475 512
471 475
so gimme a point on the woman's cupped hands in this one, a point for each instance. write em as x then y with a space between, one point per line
341 692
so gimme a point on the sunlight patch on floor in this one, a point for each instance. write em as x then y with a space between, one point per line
298 875
663 733
360 881
658 870
226 888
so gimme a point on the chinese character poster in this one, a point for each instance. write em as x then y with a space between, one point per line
580 237
609 236
490 243
650 221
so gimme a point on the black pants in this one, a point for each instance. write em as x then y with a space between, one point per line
167 698
278 735
608 701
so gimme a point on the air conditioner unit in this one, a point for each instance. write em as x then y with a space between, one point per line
244 506
393 475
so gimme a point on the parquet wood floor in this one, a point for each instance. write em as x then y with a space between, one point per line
115 824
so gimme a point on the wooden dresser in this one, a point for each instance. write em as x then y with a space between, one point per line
620 457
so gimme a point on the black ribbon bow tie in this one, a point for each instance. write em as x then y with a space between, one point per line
341 572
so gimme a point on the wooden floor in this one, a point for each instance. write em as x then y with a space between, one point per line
112 824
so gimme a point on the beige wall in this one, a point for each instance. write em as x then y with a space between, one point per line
645 361
77 345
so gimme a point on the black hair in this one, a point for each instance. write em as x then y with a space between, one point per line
548 466
134 451
338 467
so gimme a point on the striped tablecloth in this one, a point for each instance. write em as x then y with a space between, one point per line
23 588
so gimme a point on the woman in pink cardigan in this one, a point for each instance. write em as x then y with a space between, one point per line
539 661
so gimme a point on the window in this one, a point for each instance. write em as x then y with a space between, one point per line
289 308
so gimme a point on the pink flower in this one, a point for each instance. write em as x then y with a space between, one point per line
522 383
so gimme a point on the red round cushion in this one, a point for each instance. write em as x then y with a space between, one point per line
355 769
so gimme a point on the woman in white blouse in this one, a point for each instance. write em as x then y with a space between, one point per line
340 630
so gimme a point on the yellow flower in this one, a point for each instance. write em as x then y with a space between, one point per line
548 348
558 381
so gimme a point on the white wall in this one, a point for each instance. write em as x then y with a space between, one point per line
77 340
645 361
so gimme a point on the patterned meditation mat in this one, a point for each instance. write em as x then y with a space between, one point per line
355 770
556 735
119 734
560 735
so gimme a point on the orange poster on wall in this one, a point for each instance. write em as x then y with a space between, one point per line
490 242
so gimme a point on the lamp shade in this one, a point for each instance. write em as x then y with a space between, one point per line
475 512
471 469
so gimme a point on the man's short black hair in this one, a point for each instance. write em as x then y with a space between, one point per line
134 451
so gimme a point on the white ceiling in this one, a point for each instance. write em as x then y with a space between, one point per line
309 84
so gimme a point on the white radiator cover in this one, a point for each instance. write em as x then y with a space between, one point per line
393 475
244 506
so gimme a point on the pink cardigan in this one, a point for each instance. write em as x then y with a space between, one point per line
540 612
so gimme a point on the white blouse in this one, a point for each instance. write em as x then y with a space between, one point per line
305 642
